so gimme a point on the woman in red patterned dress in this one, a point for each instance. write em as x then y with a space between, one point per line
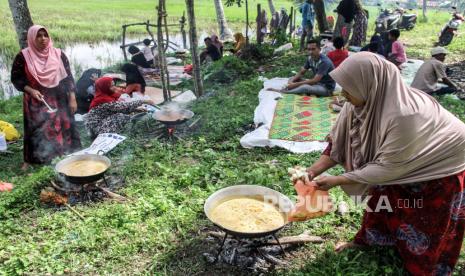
42 72
404 152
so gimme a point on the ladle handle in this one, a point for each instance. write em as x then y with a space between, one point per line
46 104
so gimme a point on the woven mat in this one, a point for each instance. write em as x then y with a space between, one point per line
302 118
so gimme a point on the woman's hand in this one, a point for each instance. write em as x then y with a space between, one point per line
36 94
311 174
328 182
72 103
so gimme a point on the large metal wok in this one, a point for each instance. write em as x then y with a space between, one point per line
173 117
282 202
59 168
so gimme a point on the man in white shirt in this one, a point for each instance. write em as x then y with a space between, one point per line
431 71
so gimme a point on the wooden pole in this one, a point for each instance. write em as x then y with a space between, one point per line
124 43
290 21
293 34
183 30
167 72
247 22
259 23
152 37
198 84
161 52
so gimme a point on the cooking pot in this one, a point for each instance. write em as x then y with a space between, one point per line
282 202
59 168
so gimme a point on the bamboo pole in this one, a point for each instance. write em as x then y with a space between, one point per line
161 52
198 84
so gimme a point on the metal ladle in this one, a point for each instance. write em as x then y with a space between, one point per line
50 110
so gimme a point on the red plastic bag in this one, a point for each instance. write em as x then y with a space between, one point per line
311 203
5 187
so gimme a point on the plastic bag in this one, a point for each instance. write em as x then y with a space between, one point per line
312 203
11 134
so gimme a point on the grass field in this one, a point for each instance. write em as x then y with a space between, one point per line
88 21
161 229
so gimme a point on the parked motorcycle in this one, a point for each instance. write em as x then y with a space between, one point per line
394 19
450 29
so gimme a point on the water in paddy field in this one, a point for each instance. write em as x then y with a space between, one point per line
83 56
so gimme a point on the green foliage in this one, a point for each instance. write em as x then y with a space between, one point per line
227 70
281 37
257 53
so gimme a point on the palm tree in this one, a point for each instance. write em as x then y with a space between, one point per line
22 20
225 32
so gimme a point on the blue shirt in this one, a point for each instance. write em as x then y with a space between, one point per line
322 67
308 15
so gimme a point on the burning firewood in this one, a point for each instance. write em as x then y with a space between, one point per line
49 196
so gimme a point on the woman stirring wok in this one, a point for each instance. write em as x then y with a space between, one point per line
42 72
398 145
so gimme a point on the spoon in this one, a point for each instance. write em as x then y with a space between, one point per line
50 110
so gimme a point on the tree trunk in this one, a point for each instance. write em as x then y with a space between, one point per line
198 84
225 32
272 8
22 20
424 10
319 6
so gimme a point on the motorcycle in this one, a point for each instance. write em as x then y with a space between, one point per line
450 29
394 19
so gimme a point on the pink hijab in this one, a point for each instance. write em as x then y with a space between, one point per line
45 66
400 136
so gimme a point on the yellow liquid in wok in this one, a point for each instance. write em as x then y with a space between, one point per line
247 215
84 168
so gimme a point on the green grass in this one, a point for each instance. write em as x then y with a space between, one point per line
159 231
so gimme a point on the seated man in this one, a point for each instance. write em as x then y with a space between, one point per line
340 54
320 65
211 51
431 71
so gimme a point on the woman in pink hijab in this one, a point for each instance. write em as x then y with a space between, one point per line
405 153
42 72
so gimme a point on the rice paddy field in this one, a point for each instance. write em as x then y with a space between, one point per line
71 21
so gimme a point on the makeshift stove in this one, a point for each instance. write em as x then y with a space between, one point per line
171 119
63 192
256 254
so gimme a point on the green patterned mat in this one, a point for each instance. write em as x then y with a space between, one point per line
302 118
